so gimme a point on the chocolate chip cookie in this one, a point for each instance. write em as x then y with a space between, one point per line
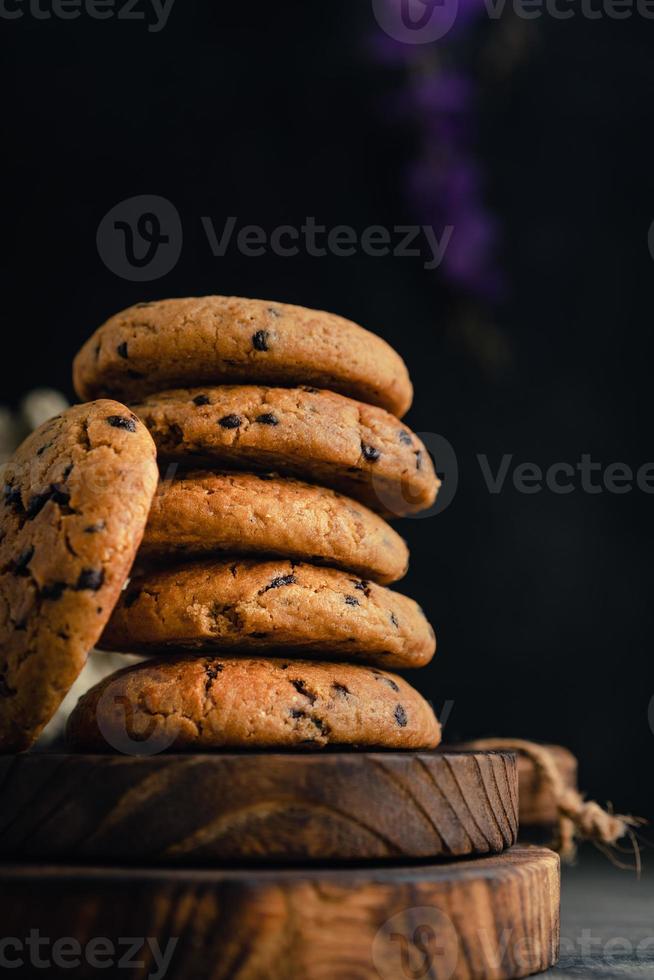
217 339
356 449
266 515
255 606
208 702
75 502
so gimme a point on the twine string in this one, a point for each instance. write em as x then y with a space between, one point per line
578 818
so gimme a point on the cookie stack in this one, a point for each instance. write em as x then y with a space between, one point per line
261 581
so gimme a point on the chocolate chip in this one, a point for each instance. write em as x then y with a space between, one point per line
131 598
37 503
120 422
212 671
174 435
20 565
273 311
351 600
59 495
361 585
278 582
201 400
340 689
386 680
298 713
394 619
13 498
370 454
320 724
230 421
260 340
302 689
400 716
90 578
39 452
405 438
310 391
53 591
267 419
419 459
95 528
21 625
5 690
69 469
122 350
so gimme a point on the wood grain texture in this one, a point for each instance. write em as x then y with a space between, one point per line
537 807
257 807
484 919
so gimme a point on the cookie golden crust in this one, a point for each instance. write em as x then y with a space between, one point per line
266 515
75 503
319 436
225 339
255 606
209 702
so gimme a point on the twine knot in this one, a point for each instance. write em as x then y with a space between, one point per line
578 818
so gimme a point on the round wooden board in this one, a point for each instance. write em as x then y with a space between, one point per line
482 919
257 807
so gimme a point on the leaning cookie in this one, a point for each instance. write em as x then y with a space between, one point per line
76 498
266 515
255 606
224 339
209 703
319 436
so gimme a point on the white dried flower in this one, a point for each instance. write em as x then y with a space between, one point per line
41 405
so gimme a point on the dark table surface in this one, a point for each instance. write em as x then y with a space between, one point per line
607 920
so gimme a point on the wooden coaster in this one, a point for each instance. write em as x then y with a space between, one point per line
257 807
484 919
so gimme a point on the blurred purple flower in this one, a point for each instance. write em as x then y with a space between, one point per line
445 185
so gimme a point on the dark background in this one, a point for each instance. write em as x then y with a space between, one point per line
272 112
